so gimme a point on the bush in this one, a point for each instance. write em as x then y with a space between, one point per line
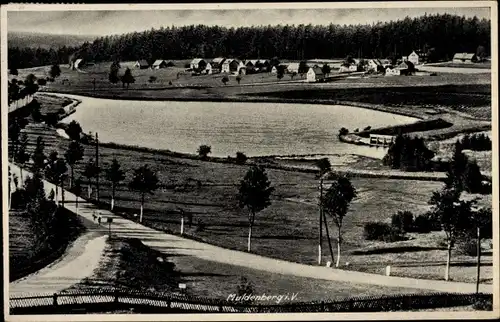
343 131
402 221
483 305
467 247
18 199
382 232
241 158
426 223
368 128
204 150
42 81
152 79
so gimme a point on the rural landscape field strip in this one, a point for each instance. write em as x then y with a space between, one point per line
178 245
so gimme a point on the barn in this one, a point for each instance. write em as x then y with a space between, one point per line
464 58
198 64
142 64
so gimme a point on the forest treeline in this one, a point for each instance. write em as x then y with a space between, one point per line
441 34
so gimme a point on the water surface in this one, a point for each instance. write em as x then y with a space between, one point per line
256 129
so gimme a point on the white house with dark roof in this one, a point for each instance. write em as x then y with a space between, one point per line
414 58
315 74
159 63
216 63
142 64
198 64
464 58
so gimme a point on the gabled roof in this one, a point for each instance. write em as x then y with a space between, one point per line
196 61
413 53
402 66
142 62
464 56
230 60
316 70
251 61
218 60
263 61
159 61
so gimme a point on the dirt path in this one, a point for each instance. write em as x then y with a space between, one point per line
175 245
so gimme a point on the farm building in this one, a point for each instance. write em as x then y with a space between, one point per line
160 63
293 68
209 70
413 57
198 64
385 62
464 58
79 63
263 65
283 66
315 74
379 139
373 64
350 69
405 68
230 65
142 64
217 63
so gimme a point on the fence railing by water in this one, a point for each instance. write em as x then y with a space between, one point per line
109 300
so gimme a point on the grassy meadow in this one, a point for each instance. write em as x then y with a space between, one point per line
287 230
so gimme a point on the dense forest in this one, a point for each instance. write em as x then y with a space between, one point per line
441 34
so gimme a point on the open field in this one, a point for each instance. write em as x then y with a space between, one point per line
207 191
483 65
131 265
21 241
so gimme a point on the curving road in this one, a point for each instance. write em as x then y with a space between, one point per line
170 244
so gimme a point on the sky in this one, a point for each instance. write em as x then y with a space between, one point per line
99 23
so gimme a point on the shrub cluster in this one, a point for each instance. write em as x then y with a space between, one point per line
409 154
405 221
476 142
382 232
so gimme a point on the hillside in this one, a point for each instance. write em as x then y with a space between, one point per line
46 41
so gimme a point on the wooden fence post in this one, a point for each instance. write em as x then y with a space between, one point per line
116 296
54 299
220 308
322 306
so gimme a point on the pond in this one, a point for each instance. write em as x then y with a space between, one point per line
256 129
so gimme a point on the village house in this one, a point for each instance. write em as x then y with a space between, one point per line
293 68
142 64
160 63
216 63
373 65
348 69
263 65
208 69
198 64
464 58
414 58
251 65
315 74
230 65
78 63
405 68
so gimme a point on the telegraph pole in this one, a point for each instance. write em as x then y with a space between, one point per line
320 219
97 165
